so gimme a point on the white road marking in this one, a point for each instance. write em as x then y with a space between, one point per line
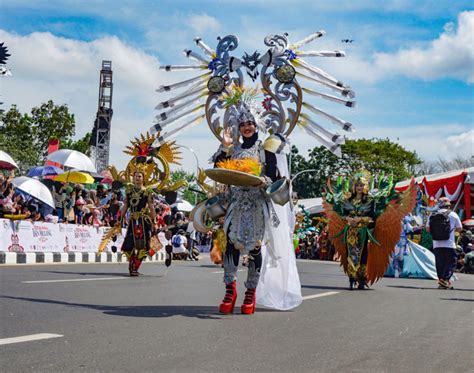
239 270
28 338
75 280
320 295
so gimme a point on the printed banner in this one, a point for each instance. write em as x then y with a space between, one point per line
26 236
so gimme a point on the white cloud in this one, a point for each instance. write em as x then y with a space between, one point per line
430 142
451 55
464 142
204 23
65 70
46 67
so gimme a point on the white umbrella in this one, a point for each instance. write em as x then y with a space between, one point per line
6 161
34 188
183 205
73 159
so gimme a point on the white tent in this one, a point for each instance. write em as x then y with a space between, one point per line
312 205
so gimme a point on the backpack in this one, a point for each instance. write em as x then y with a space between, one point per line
176 241
440 226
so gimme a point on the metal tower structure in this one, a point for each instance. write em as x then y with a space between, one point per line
100 139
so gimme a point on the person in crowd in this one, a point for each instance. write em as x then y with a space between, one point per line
465 239
442 224
179 243
58 202
79 210
191 237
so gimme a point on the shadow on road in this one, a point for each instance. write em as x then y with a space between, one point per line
458 299
199 312
423 288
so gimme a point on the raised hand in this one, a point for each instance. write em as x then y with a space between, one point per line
227 140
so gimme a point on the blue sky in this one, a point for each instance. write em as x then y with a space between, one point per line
411 63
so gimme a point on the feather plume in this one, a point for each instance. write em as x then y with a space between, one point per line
184 83
334 137
335 227
307 39
387 232
346 126
344 91
247 165
348 103
182 67
321 54
204 47
332 147
195 56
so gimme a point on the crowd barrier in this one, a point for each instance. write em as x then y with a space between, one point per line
26 236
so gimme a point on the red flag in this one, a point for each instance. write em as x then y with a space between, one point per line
53 145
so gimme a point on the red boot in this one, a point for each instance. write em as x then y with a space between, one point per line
228 303
132 266
248 307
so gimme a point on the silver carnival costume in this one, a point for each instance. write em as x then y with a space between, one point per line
254 224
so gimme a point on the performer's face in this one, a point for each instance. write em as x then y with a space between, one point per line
138 179
247 129
359 188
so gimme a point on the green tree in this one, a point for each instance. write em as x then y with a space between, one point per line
51 121
25 136
188 194
375 155
81 145
16 134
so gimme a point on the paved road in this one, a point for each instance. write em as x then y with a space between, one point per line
168 321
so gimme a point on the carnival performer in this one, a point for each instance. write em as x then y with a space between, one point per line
146 175
246 213
140 204
365 225
259 219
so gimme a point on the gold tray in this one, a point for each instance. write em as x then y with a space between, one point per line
231 177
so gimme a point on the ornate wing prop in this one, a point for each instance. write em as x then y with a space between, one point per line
111 233
285 101
387 232
335 227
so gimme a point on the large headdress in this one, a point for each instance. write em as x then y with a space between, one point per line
285 102
361 177
241 106
152 162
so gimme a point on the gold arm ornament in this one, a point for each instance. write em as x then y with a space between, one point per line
111 233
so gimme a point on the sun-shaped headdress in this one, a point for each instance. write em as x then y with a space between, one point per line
152 162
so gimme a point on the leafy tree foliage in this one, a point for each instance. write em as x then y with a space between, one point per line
375 155
188 194
25 136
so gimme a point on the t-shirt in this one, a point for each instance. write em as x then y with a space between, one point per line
455 223
182 247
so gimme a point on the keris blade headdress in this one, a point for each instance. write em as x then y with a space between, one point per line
285 101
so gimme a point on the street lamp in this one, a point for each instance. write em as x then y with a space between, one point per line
197 166
299 173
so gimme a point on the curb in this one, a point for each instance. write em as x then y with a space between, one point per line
69 258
